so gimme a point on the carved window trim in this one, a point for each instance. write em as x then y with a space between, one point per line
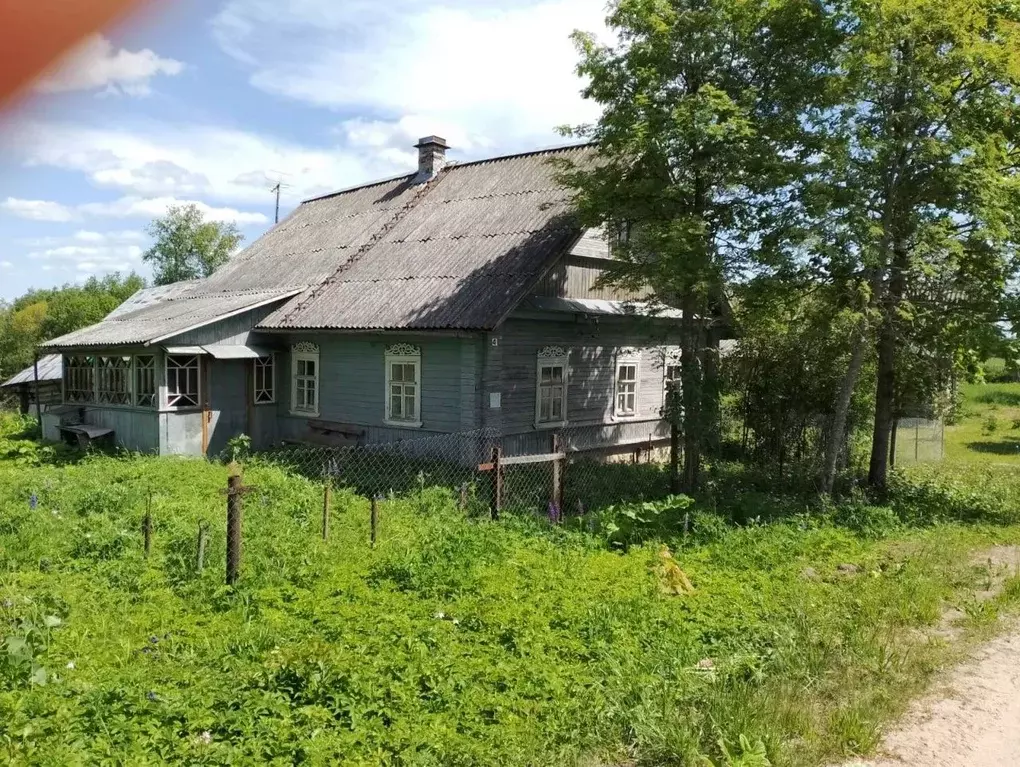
305 394
552 385
402 406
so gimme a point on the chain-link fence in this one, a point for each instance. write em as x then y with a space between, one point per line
559 473
919 440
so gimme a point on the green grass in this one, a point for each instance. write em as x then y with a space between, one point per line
458 641
988 431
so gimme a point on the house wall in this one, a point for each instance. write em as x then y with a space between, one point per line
352 379
237 330
593 348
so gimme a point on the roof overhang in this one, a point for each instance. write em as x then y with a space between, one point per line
600 307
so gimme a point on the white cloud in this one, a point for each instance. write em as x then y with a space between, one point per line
6 265
194 161
89 259
38 210
491 75
125 207
97 65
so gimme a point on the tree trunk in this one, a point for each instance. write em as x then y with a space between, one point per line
885 393
837 427
712 399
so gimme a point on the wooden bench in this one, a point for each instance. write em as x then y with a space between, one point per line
334 434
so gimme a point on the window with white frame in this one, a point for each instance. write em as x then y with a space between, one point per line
305 374
114 380
79 379
403 385
145 380
265 380
551 387
627 365
182 380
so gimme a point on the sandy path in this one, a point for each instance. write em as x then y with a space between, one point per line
971 720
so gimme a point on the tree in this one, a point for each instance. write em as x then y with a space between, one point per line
918 177
40 315
699 136
187 246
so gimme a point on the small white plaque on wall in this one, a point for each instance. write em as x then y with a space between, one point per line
495 400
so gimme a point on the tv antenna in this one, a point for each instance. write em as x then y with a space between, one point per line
277 189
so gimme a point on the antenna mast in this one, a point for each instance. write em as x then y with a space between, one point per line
276 190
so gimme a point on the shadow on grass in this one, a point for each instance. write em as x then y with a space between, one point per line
1008 397
995 448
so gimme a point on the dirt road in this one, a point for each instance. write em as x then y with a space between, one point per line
970 720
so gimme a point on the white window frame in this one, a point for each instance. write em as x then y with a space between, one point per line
198 381
402 354
79 369
138 367
268 389
114 384
670 359
305 352
627 358
552 356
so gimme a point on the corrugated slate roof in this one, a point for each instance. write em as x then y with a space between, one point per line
51 368
166 318
459 255
457 252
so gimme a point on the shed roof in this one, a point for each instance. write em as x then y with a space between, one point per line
51 368
166 318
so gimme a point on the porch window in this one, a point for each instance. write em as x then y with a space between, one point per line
145 380
114 380
403 385
265 380
627 385
79 379
551 387
182 381
305 389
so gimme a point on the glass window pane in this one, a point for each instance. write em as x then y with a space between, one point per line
395 406
409 409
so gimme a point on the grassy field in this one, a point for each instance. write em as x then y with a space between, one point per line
988 431
459 641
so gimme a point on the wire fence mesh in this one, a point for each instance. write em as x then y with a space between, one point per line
561 473
919 440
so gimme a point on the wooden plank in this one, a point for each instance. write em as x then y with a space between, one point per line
519 460
522 459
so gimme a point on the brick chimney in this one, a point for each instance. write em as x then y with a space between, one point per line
431 157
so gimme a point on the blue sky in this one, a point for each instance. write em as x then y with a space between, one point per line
212 102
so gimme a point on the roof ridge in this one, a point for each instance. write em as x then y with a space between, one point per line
385 229
454 166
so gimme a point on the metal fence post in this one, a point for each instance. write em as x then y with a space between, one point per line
147 526
557 476
327 497
497 481
374 520
203 537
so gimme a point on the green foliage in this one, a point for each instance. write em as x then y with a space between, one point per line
628 524
40 315
238 449
187 247
458 641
